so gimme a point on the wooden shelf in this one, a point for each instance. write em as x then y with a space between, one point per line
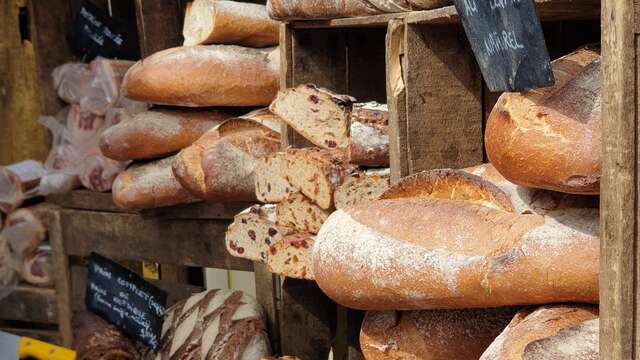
549 10
30 304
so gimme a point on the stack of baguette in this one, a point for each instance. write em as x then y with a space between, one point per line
499 261
192 145
346 163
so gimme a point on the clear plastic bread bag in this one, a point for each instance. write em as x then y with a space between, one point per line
72 81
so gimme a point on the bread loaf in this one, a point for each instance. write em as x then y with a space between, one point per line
330 9
96 339
299 212
291 257
554 332
37 269
550 138
229 22
158 132
97 173
361 186
24 232
149 185
316 173
434 252
215 324
431 334
16 180
84 127
270 181
369 132
281 358
316 113
212 75
253 231
187 165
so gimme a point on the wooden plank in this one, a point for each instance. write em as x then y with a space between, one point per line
619 196
159 25
347 339
121 236
85 200
366 80
444 99
395 62
30 304
267 289
307 320
50 336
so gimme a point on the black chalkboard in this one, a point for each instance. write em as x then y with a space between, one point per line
507 40
94 33
126 300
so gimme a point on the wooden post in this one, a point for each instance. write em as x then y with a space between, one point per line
159 25
619 270
267 288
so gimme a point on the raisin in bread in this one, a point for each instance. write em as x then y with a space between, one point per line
299 212
291 257
270 182
362 186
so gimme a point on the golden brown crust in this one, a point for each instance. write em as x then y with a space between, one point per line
318 9
551 138
187 165
451 185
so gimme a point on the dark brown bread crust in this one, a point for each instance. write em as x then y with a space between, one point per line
95 339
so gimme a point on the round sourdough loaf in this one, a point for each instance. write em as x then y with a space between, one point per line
551 138
431 334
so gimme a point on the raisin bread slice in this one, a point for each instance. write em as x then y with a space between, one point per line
362 186
253 231
316 113
291 257
270 182
299 212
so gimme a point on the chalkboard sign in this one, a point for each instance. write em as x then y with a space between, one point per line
94 33
126 300
507 40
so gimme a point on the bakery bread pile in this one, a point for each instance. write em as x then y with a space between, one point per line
330 9
300 188
195 143
451 264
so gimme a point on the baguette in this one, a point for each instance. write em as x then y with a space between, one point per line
303 9
431 334
149 185
369 132
154 133
229 22
270 181
212 75
554 332
253 231
551 138
362 186
291 257
299 212
431 252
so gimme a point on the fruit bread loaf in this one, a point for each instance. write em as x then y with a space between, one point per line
362 186
253 231
437 250
369 133
158 132
215 324
149 185
229 22
205 75
551 138
431 334
554 332
299 212
316 173
270 181
291 257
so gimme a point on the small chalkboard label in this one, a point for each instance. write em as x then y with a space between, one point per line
126 300
507 40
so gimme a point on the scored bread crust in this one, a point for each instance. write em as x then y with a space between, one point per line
299 212
229 22
413 253
158 132
431 334
205 75
451 185
362 186
551 138
291 257
536 334
149 185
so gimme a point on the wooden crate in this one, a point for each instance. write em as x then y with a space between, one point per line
421 65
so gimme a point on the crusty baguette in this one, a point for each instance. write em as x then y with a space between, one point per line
318 114
229 22
316 173
211 75
554 332
550 138
151 134
431 334
369 133
299 212
230 162
253 231
328 9
149 185
291 257
270 181
421 253
362 186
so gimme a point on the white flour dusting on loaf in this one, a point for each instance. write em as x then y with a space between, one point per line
578 342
